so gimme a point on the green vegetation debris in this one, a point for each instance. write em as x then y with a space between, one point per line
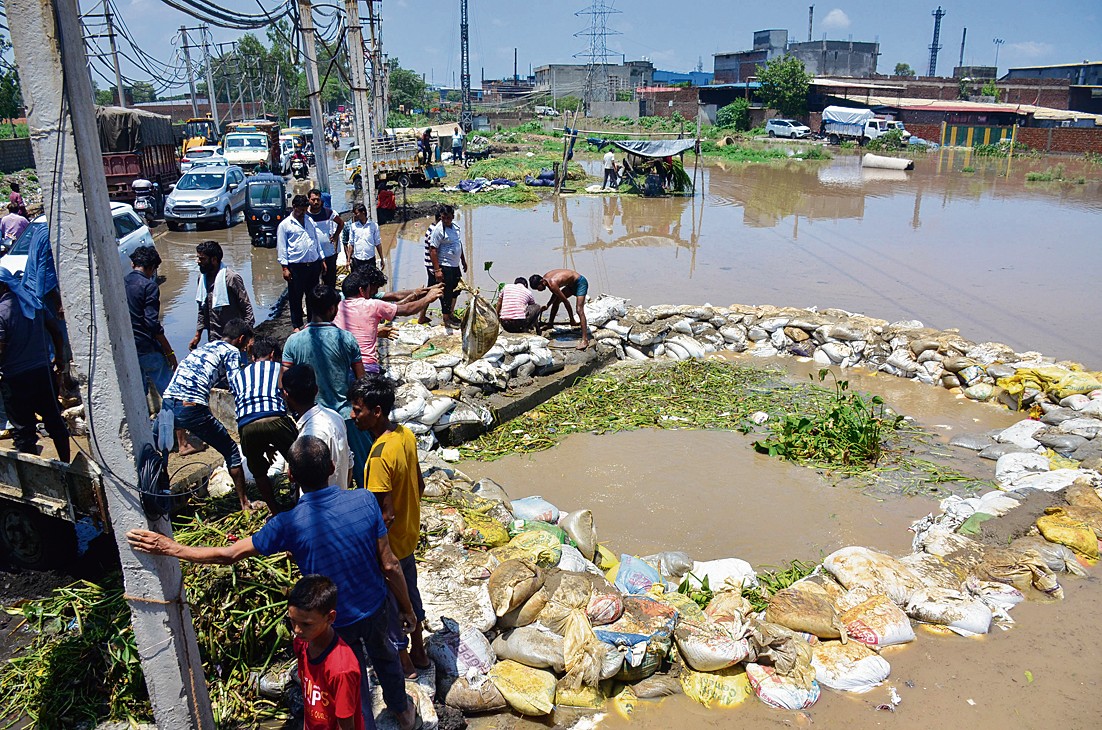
777 579
516 167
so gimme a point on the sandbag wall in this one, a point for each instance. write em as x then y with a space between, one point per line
529 611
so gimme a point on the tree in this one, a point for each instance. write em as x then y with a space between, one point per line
11 97
105 97
407 88
990 89
569 104
784 85
143 91
903 69
736 114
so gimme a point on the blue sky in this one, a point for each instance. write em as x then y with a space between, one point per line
424 34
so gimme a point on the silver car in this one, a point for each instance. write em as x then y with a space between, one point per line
206 195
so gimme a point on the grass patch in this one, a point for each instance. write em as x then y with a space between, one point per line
520 195
742 153
516 167
8 132
967 169
1053 174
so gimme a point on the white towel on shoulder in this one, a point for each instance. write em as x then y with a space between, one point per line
220 295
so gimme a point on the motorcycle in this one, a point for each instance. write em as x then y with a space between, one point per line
299 168
146 199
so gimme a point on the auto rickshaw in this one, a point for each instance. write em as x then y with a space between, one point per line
265 207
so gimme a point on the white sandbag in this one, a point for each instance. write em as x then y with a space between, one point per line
464 413
489 489
573 561
455 650
954 611
518 360
1011 467
779 691
417 428
878 622
850 667
408 411
494 354
535 508
422 372
600 310
859 567
444 360
533 646
481 372
435 408
579 526
412 334
672 564
709 645
541 356
722 574
634 354
693 348
1021 434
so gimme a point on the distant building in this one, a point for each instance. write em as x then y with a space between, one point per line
568 79
696 78
976 73
1084 79
496 91
823 57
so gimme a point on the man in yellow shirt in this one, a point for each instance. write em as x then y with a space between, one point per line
393 474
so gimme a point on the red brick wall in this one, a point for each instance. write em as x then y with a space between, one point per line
1062 139
928 132
1039 92
684 101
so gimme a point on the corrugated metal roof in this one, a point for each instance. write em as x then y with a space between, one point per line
1056 65
1038 112
847 84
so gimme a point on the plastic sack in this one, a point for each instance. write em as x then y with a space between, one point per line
722 688
480 328
590 698
878 622
532 646
1061 528
457 650
780 691
528 691
1059 558
671 563
565 614
859 567
512 583
730 604
605 559
484 531
540 547
725 574
573 561
579 526
1054 380
808 610
516 527
851 667
1089 516
634 576
535 508
527 613
491 490
657 686
435 408
789 652
645 631
959 614
1083 495
708 646
473 695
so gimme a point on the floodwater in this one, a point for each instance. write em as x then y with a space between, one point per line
709 494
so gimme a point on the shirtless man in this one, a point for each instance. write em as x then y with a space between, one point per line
564 283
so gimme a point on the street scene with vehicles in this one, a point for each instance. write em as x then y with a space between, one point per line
341 386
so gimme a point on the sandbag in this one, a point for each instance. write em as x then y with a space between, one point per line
1083 495
1089 516
480 328
646 631
564 614
535 508
481 530
528 691
456 650
517 527
1059 558
780 691
572 561
671 564
590 698
527 613
784 649
709 645
471 695
605 559
489 489
605 602
730 604
722 688
1061 528
876 573
851 667
536 546
532 646
725 574
579 526
1019 569
878 622
802 610
512 583
959 614
635 576
656 687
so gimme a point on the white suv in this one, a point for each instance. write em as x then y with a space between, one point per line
786 128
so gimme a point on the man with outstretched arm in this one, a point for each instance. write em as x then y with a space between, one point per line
564 283
340 534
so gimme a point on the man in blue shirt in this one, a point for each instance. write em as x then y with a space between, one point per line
188 397
340 534
143 296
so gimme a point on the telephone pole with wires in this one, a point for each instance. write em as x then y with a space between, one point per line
190 72
313 88
212 93
114 53
596 86
362 103
46 39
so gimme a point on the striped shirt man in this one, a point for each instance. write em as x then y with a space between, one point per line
255 391
201 370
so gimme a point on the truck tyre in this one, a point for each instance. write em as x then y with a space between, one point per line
32 540
404 180
833 139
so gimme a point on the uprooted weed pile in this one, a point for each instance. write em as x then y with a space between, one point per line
83 665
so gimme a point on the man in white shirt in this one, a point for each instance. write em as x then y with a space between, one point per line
446 254
300 392
363 247
330 225
610 171
300 255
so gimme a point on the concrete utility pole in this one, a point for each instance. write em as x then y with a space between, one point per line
190 75
212 93
114 52
47 43
362 102
313 88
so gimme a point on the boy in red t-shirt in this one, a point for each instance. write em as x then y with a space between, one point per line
329 670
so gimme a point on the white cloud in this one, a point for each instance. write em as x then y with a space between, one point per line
835 20
1030 49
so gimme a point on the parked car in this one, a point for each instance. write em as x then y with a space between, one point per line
206 195
786 128
130 233
198 156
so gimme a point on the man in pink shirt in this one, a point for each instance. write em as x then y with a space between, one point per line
361 312
516 307
12 224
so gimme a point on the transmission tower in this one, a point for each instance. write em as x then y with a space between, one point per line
596 85
466 114
936 46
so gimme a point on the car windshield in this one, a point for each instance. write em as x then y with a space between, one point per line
22 245
198 154
353 156
246 142
201 181
265 194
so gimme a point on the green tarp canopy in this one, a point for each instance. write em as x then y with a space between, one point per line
129 130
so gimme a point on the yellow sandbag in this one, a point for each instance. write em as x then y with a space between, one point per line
540 547
588 697
1065 530
806 610
528 691
512 583
686 607
482 529
605 559
724 688
1054 380
1090 516
624 702
1056 461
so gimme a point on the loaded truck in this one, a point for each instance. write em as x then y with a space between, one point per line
247 144
136 145
198 132
859 125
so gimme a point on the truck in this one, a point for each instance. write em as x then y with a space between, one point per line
249 143
396 160
199 132
300 121
136 145
860 125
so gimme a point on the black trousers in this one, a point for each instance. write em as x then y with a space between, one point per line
452 275
29 393
330 275
304 277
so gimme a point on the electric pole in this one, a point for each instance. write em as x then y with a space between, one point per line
362 102
114 52
46 38
212 92
313 88
466 113
190 75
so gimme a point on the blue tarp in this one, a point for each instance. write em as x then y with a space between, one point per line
656 148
